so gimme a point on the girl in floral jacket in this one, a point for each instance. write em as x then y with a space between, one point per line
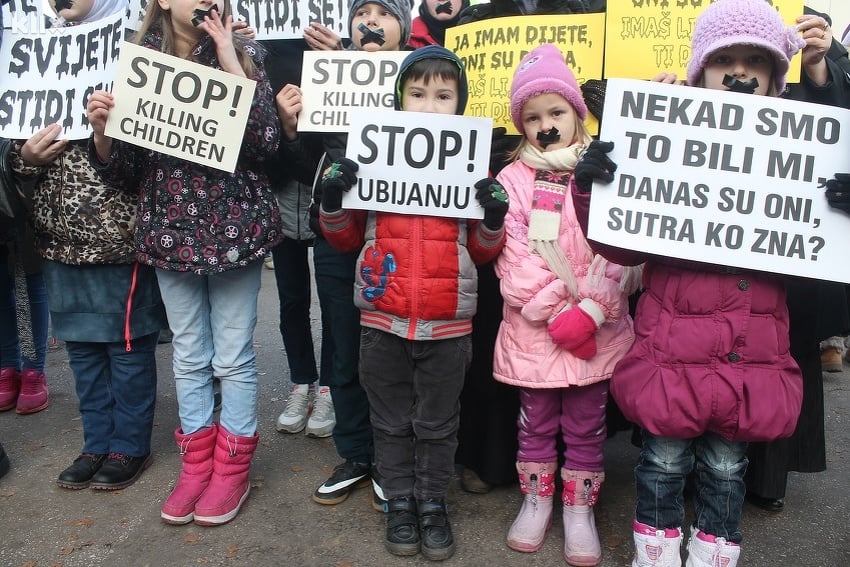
206 232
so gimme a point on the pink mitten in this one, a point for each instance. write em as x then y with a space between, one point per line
574 329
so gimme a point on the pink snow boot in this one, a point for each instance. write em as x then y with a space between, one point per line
656 547
706 550
581 542
229 485
33 396
10 387
196 450
537 483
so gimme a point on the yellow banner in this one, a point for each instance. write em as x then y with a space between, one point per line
645 37
492 49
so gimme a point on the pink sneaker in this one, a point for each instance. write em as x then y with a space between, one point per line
10 387
33 396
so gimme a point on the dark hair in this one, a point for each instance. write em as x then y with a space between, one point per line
427 69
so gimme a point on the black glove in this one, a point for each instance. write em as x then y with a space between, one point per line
494 201
501 146
594 164
838 192
338 178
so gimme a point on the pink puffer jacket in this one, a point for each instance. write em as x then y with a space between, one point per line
525 354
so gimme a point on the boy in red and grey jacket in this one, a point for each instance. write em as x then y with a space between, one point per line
416 288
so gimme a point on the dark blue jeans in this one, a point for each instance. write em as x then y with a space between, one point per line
10 352
664 466
292 274
341 351
116 390
414 397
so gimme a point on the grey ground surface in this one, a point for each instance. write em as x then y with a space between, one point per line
44 525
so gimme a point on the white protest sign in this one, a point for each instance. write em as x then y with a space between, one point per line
23 16
287 19
179 108
48 76
337 84
723 178
418 163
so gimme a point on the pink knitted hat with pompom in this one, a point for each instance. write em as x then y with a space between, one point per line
743 22
543 70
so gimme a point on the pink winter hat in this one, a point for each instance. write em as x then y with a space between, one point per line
743 22
543 70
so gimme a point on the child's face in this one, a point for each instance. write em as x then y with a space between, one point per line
438 96
74 10
742 62
443 9
542 113
375 17
182 12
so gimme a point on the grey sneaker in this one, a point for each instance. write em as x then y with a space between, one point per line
322 418
294 416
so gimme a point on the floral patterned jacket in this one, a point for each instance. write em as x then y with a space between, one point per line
197 218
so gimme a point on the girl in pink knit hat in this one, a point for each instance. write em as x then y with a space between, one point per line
566 321
710 368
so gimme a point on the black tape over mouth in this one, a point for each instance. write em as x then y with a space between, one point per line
371 36
737 86
200 14
444 8
550 137
63 5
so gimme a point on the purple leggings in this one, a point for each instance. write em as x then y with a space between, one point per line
578 412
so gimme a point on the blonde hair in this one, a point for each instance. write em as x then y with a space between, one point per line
582 136
156 17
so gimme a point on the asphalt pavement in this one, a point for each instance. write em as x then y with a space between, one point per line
43 525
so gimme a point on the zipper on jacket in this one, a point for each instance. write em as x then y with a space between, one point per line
128 310
415 270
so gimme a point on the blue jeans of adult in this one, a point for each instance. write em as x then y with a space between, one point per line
116 389
10 351
213 319
665 464
414 397
294 290
341 351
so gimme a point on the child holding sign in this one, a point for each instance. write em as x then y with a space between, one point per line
566 321
206 232
415 285
379 25
711 368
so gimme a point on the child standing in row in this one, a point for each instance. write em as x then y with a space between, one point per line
566 321
414 344
206 232
378 25
711 368
103 304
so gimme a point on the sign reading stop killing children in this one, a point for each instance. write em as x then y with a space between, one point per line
418 163
179 108
492 49
48 75
337 84
724 178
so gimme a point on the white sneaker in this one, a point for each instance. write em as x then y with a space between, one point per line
322 419
294 416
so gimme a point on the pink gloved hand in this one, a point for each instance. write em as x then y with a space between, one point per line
575 329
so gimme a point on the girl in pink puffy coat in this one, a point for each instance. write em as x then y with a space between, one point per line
566 321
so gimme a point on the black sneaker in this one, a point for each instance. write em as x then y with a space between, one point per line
347 476
81 471
402 526
379 500
4 462
120 471
435 530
